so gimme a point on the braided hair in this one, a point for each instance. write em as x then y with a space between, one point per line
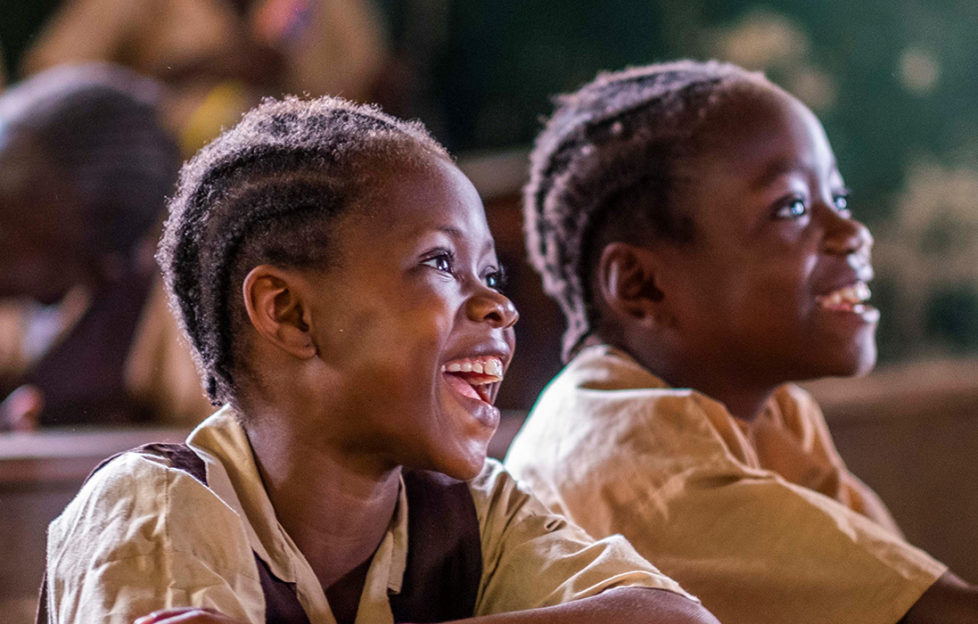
607 167
268 191
99 126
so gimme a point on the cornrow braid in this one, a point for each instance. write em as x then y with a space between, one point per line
267 191
607 160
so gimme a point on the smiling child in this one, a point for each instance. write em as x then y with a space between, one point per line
691 221
335 274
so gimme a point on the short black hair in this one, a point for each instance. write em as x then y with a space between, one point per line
607 161
267 191
99 126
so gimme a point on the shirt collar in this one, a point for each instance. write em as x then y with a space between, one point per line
232 474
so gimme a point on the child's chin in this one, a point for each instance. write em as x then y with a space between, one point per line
863 360
463 467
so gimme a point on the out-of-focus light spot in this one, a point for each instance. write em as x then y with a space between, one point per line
813 86
919 70
761 39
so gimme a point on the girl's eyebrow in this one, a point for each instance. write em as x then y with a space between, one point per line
450 230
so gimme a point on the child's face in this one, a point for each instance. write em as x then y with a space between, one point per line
411 327
772 287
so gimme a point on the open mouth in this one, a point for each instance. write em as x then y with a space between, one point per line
851 298
475 377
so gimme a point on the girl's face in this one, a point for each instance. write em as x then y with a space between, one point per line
773 286
411 325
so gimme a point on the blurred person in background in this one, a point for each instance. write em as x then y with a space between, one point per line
85 333
219 57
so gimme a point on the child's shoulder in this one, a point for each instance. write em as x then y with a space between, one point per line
130 506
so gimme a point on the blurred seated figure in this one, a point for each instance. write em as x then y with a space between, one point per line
85 333
219 57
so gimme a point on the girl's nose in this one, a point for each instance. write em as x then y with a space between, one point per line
490 306
846 236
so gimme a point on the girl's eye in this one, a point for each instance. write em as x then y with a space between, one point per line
496 279
794 209
443 261
842 204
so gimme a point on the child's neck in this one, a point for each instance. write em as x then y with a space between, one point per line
336 511
743 400
742 403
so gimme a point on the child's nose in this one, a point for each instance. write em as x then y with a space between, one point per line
847 236
495 308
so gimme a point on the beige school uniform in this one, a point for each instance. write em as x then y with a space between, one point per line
141 536
762 521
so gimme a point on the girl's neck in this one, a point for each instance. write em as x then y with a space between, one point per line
335 508
744 400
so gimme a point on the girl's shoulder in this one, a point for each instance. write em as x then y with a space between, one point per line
153 498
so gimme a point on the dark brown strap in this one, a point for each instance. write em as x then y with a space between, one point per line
444 561
281 602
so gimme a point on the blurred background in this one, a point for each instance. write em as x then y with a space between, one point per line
893 81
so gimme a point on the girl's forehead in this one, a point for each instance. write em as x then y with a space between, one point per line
762 127
414 200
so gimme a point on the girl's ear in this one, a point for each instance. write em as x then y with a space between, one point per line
626 281
274 300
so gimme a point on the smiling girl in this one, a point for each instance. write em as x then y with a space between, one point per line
691 220
335 274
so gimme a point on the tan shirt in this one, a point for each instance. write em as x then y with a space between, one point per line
141 536
759 520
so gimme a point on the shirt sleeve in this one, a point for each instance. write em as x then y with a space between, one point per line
534 558
140 537
851 491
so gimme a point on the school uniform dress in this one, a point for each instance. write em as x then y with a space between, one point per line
143 534
761 520
110 357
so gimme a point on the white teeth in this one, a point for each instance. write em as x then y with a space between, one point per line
852 294
491 366
494 367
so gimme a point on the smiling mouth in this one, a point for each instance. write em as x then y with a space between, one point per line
851 298
474 377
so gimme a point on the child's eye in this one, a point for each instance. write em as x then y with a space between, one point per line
443 261
794 209
842 204
496 279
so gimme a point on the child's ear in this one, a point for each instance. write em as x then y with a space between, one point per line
627 282
274 300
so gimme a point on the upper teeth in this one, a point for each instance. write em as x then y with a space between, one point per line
856 293
492 366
